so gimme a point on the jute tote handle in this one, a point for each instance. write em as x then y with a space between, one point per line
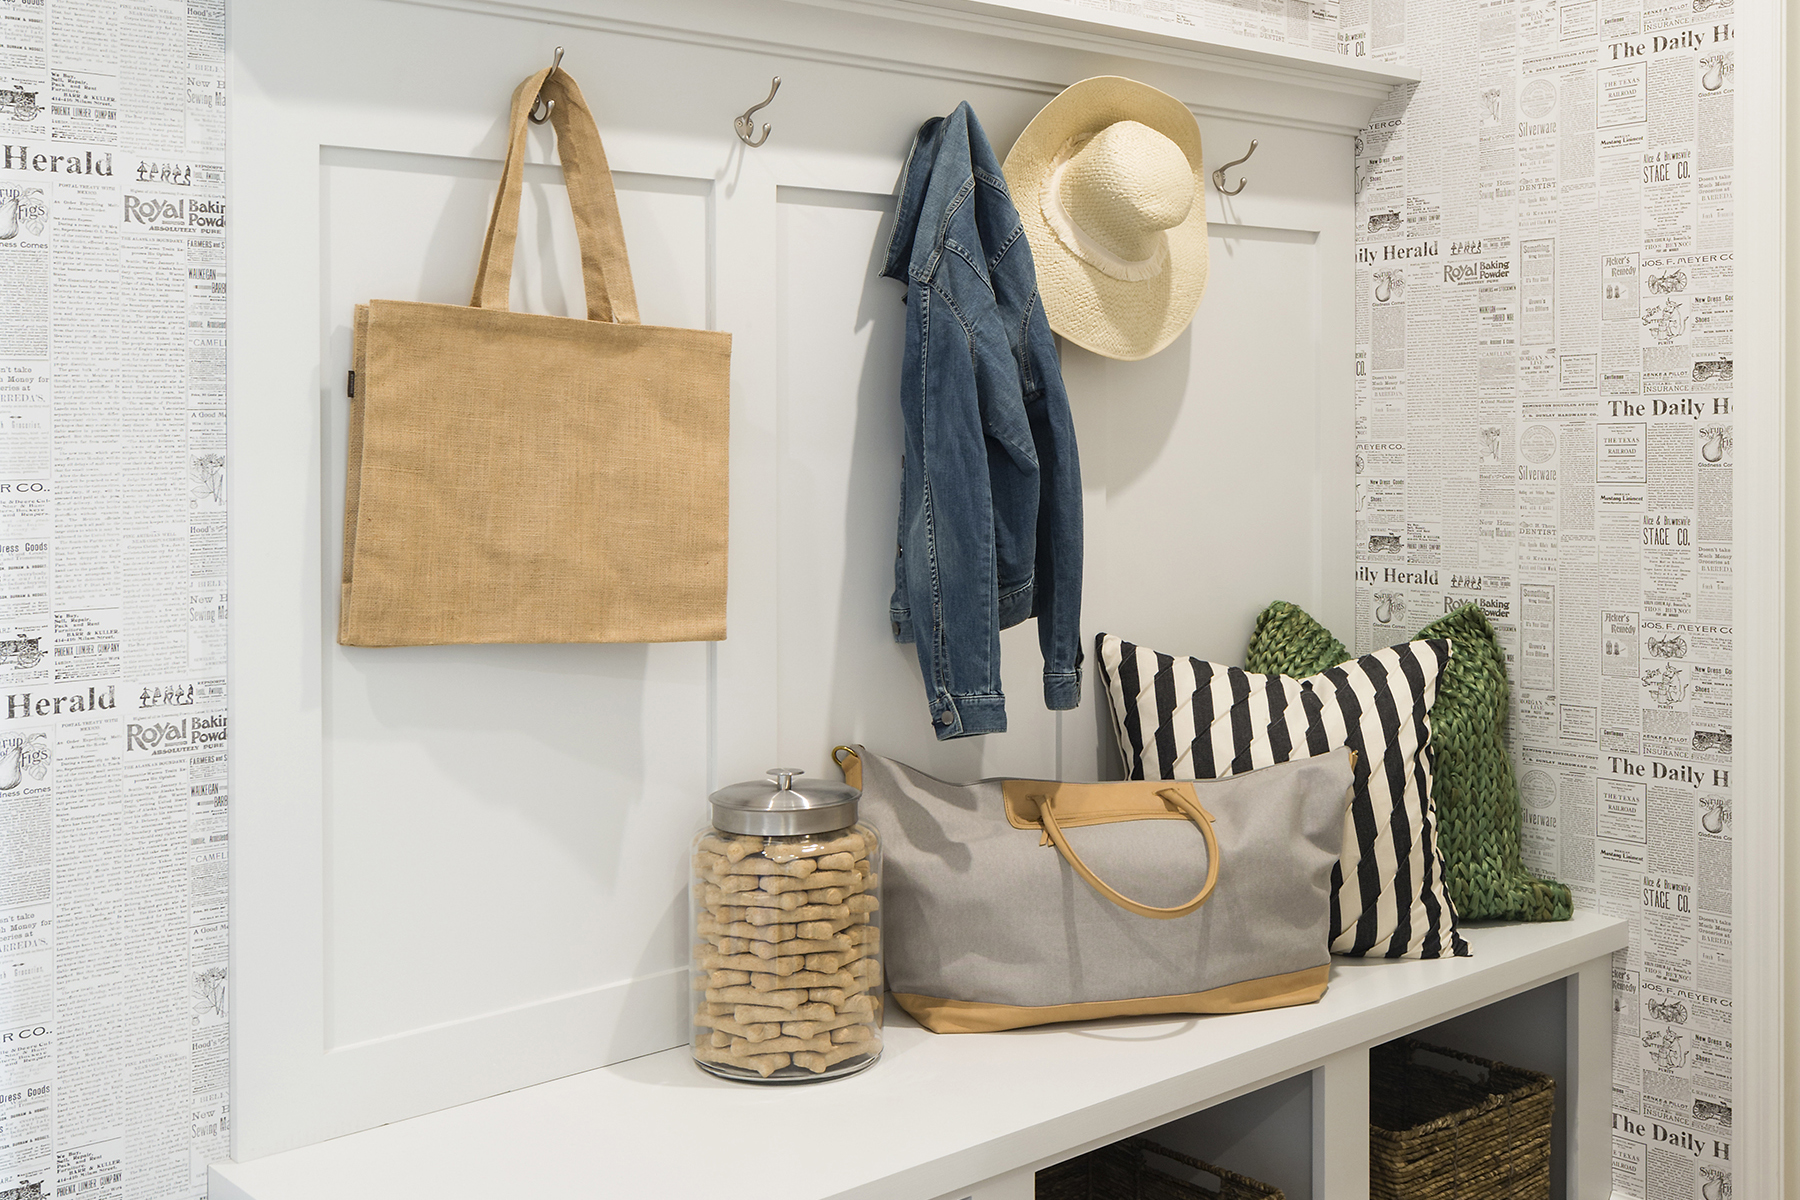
1189 809
605 269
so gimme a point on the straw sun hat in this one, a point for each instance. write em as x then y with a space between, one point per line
1107 180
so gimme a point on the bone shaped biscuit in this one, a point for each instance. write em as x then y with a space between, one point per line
781 998
777 885
809 846
833 961
754 1014
782 1044
759 865
799 979
785 965
754 1031
770 950
824 1025
816 1061
823 912
763 1064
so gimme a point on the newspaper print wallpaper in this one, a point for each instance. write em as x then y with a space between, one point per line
1544 428
114 997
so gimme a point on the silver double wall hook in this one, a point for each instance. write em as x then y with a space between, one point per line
1219 174
745 122
538 118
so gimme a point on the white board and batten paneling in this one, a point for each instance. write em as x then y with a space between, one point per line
459 870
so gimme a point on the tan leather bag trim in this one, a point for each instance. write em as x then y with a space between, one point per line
1079 804
850 763
971 1016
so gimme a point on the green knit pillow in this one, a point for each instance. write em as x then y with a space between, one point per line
1473 789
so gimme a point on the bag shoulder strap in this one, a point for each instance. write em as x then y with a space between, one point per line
605 267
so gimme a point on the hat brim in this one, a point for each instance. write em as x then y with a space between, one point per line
1114 317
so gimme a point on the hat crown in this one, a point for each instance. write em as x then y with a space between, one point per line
1125 186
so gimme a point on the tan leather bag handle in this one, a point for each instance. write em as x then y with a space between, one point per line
850 763
1192 811
605 268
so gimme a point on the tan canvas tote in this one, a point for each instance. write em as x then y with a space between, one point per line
525 478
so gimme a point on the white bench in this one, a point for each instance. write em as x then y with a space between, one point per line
974 1115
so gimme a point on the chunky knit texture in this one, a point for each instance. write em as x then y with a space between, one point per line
1473 788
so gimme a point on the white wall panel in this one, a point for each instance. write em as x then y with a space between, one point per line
843 678
516 777
459 870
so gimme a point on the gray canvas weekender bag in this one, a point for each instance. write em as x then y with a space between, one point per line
1016 902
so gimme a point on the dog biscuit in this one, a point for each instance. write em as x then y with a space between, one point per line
782 1045
822 1025
763 1064
788 998
770 950
753 1031
817 1061
763 866
830 962
852 1033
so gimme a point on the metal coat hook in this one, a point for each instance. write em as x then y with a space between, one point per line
1219 173
745 122
540 102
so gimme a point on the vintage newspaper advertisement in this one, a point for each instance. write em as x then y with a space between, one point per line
113 987
1305 24
1544 428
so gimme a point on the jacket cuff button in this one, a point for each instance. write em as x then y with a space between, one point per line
945 717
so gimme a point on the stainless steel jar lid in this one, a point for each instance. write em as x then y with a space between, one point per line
779 807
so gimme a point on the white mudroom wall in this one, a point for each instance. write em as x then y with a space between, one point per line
464 869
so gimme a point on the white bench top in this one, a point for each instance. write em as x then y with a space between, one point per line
938 1112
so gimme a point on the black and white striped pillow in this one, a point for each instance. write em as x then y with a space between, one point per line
1183 718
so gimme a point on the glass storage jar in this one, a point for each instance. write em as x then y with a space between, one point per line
785 905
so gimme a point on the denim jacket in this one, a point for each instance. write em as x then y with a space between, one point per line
990 494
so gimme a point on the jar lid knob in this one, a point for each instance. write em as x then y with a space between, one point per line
784 776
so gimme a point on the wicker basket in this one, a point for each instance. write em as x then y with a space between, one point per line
1120 1172
1437 1134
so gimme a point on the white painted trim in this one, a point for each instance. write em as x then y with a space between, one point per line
1300 90
1587 1074
294 1087
1050 23
1760 578
945 1116
1340 1126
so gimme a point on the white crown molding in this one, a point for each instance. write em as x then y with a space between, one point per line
1060 23
1217 76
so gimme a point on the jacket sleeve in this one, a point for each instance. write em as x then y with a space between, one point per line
1059 542
947 545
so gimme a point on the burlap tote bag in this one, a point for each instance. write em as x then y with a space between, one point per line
525 478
